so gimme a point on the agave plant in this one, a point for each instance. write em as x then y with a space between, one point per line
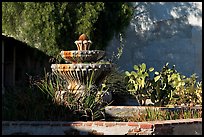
88 106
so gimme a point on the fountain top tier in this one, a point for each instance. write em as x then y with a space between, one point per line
83 43
83 54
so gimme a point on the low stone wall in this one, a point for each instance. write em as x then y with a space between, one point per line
128 111
167 127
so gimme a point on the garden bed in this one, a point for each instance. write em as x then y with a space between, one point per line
32 112
113 124
167 127
151 113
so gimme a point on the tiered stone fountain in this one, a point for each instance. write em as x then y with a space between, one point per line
81 65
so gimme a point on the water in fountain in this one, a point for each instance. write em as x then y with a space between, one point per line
82 67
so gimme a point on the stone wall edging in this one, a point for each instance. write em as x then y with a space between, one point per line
102 127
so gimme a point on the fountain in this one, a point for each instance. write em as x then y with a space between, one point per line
81 66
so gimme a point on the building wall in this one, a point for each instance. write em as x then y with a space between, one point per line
166 32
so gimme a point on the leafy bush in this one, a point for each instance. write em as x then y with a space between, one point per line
167 87
115 84
164 84
139 82
190 91
150 114
54 26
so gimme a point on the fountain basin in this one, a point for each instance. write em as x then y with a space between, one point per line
81 56
79 75
65 67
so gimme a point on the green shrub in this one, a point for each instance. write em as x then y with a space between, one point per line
115 84
54 26
164 84
167 87
188 92
153 114
138 82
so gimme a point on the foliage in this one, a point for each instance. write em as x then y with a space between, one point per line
115 84
170 87
167 87
28 104
87 106
166 114
116 56
54 26
40 102
190 91
163 88
198 93
115 81
138 82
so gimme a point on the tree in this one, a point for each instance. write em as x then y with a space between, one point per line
54 26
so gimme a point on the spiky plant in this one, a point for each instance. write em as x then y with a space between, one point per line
89 105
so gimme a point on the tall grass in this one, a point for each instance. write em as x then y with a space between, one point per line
150 114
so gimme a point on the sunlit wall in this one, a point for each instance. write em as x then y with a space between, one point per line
162 32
